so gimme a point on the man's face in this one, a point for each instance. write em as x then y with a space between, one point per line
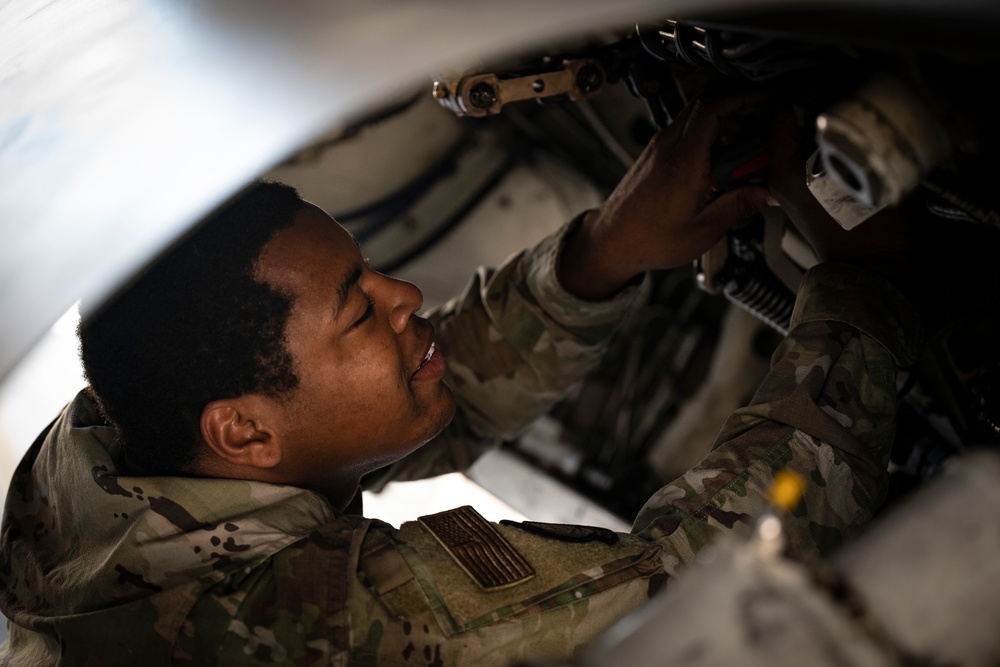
368 394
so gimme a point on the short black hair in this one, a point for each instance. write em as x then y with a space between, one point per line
196 327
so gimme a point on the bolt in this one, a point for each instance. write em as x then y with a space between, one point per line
482 96
589 78
538 85
440 90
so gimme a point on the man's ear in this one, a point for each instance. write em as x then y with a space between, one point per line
237 431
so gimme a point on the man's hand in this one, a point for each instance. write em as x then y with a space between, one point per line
662 214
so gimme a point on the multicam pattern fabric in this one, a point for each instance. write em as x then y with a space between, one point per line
101 568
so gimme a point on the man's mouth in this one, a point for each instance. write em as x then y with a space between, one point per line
432 367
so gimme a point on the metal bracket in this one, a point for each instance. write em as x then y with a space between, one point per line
485 94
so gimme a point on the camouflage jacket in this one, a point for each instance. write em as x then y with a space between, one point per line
101 568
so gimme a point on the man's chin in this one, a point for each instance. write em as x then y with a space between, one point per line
443 414
447 412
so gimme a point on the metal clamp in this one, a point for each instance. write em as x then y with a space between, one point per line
485 94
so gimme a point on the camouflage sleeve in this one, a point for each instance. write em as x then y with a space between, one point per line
515 341
826 411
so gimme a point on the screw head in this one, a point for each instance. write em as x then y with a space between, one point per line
589 78
482 96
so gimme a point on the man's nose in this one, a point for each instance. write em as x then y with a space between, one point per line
406 300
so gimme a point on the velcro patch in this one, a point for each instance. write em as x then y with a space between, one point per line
566 532
478 548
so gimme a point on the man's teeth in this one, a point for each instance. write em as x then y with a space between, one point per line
430 353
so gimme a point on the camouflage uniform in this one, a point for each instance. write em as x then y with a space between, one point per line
101 568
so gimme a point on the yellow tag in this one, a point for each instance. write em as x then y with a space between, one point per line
787 490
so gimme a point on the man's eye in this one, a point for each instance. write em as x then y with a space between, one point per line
365 315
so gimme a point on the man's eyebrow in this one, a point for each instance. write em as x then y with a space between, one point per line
345 288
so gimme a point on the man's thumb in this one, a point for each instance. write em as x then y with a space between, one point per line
736 207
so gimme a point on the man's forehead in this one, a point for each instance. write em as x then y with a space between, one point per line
314 261
313 228
313 245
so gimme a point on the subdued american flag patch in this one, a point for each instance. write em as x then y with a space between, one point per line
478 548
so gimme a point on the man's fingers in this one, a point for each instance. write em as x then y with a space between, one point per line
725 105
706 114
